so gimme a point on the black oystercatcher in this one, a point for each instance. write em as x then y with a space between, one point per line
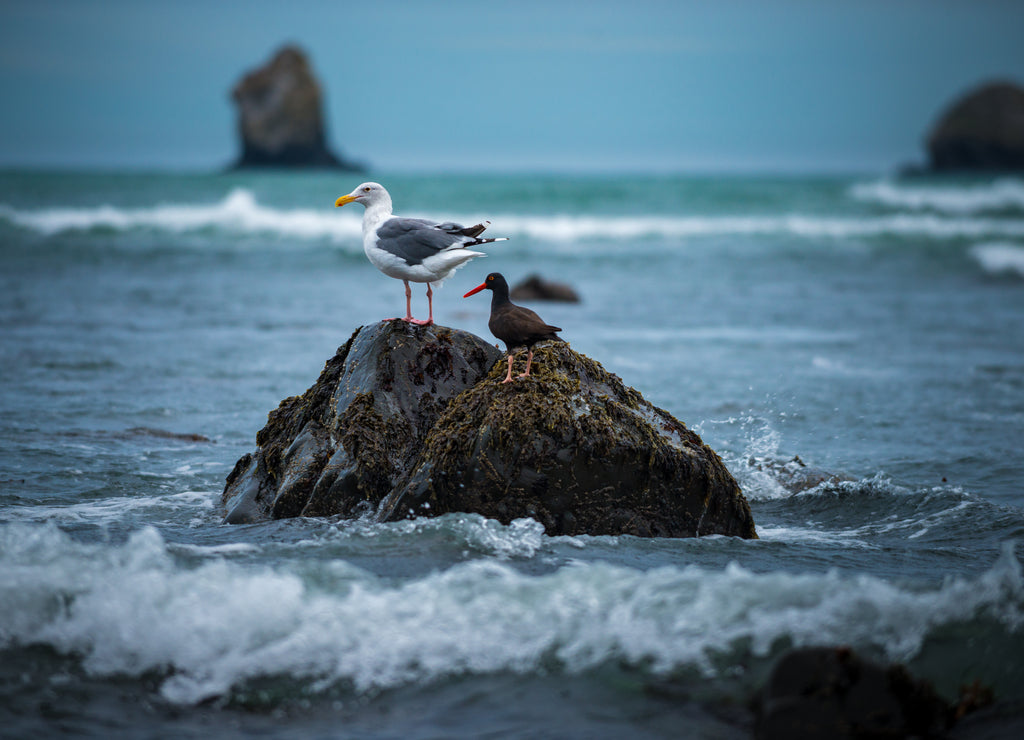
514 325
413 248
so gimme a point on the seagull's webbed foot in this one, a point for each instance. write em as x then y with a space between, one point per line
419 322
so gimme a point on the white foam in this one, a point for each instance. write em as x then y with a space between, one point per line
574 229
522 538
240 213
999 257
960 199
833 367
132 609
757 480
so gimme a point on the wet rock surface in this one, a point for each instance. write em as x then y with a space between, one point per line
345 443
414 421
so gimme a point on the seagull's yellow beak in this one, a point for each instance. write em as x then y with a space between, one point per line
343 200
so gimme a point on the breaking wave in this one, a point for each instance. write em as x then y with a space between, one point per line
1000 258
1000 195
240 214
209 627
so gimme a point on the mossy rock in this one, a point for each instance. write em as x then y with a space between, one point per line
415 421
574 448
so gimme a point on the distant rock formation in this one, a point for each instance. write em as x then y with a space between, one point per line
413 421
280 116
981 132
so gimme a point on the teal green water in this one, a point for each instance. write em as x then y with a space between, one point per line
872 327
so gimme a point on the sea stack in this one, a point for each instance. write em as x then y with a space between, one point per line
280 116
409 421
981 132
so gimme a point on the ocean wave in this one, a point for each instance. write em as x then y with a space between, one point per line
999 258
1000 195
108 510
240 214
211 628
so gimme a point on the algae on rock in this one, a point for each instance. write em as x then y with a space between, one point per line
414 421
574 448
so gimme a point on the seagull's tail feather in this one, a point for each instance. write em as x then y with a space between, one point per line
478 242
475 231
450 227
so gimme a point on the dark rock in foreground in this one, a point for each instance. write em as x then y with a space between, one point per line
536 288
981 132
832 693
414 421
280 116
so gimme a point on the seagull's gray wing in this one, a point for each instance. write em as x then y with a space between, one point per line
415 239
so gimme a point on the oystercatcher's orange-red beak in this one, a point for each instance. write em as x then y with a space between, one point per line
477 289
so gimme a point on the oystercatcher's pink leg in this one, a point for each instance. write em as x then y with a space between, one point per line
529 359
508 376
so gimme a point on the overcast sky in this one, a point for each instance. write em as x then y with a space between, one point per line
581 85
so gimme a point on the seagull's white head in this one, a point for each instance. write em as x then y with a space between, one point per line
369 194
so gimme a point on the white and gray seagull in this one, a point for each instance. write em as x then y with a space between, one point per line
413 248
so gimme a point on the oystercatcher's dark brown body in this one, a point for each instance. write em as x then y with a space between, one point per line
514 325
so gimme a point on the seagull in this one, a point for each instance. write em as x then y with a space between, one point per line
515 325
413 248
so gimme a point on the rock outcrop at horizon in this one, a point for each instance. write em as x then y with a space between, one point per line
411 421
983 131
280 116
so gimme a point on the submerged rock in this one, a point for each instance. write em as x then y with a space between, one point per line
981 132
413 421
536 288
280 116
833 693
794 475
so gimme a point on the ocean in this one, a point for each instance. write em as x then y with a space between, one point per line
867 327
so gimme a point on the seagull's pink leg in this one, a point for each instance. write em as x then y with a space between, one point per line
529 359
430 305
508 376
408 301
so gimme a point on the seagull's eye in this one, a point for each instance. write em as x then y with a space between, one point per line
366 190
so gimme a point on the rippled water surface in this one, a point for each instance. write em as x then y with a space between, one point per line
874 328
